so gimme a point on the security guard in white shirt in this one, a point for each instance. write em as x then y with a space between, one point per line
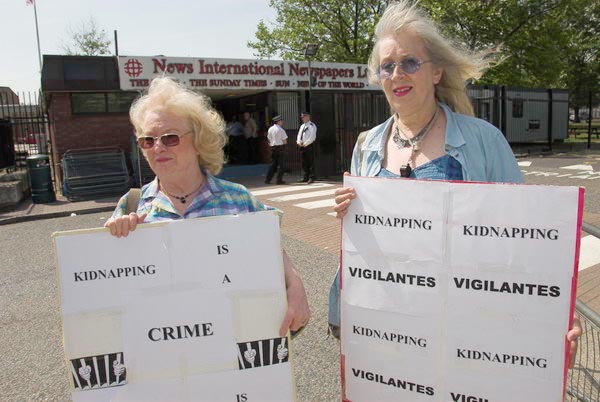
277 139
307 134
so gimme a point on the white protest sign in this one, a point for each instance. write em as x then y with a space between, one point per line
457 291
182 310
96 270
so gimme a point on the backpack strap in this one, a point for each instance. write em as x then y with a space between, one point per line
133 200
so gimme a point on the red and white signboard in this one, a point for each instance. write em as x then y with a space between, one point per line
457 291
136 72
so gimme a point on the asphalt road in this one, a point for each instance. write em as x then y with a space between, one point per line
31 357
567 170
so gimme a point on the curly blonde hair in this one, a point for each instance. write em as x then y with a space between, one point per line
457 64
208 125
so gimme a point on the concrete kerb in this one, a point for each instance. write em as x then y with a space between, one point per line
526 150
50 215
258 181
26 216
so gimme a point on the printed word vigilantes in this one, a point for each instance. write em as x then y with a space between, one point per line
114 273
403 223
394 382
516 288
394 277
513 233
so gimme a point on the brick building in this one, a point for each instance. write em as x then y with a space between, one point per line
86 108
88 98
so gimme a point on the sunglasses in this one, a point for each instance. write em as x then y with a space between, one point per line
409 65
167 139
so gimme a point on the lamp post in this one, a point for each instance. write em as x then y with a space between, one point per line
309 51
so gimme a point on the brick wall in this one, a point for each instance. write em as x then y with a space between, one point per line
72 131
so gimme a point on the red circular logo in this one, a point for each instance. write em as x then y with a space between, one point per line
133 67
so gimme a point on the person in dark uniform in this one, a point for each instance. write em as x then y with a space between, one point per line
277 139
236 141
307 134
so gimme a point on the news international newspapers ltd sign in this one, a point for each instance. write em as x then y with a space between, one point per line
136 73
184 310
457 291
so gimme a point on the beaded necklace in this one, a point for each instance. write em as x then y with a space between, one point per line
402 142
181 198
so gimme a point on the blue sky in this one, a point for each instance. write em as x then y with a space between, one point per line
184 28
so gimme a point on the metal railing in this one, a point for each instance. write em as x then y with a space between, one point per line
583 380
24 128
93 173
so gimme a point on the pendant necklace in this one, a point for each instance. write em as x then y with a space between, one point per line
402 142
181 198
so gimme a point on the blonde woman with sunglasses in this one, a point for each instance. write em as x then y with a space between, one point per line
182 138
432 133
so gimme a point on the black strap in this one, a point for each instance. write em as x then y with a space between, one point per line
303 131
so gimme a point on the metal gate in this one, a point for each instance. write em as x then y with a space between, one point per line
355 112
287 105
27 124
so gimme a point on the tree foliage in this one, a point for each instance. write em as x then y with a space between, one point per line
539 43
537 38
344 29
582 54
87 39
521 30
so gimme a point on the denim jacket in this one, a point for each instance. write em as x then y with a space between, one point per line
481 149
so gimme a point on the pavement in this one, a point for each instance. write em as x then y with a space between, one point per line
32 364
309 218
310 234
28 211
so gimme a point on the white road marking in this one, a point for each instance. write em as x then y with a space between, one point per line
301 196
289 189
589 175
330 202
525 163
578 167
589 254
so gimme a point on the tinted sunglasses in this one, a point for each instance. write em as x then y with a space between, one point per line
167 139
409 65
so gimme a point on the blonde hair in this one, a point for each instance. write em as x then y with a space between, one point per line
208 125
458 65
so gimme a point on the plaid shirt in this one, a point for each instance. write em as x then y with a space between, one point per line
216 197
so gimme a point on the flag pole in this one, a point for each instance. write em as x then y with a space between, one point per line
37 33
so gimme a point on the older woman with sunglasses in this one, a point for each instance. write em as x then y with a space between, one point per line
182 138
432 133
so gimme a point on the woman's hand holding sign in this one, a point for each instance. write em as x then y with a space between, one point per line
298 312
122 225
343 198
573 336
